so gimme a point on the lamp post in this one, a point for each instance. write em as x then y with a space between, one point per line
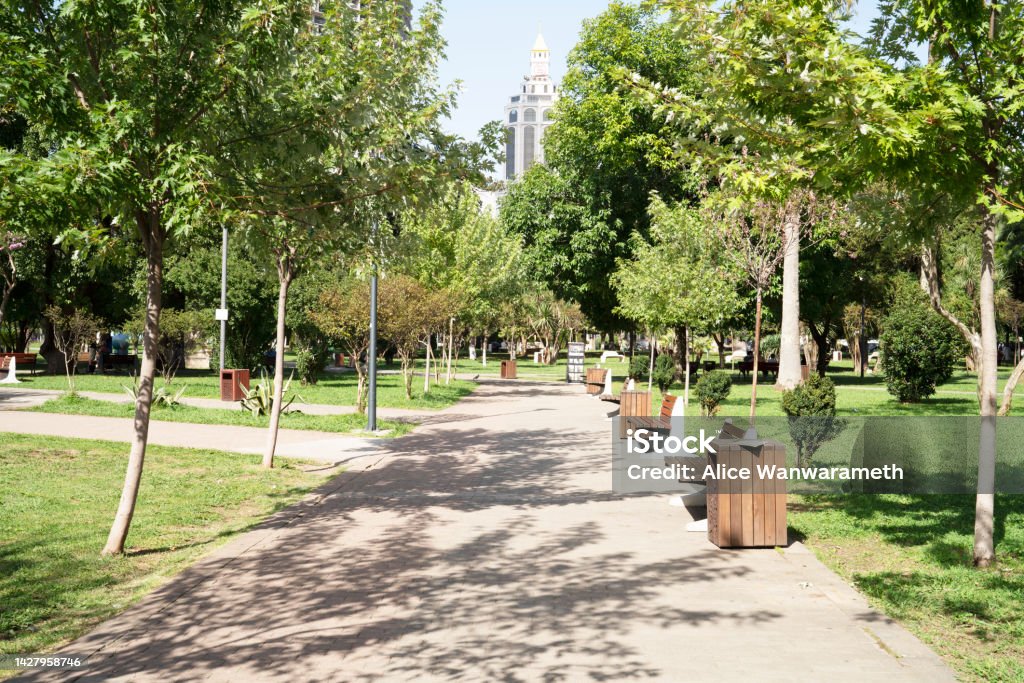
222 314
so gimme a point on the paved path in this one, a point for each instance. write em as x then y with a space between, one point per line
487 547
18 397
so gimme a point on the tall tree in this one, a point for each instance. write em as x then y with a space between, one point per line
946 128
132 94
683 279
605 154
350 130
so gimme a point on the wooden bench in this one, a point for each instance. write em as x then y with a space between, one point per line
700 462
765 367
21 360
661 423
595 380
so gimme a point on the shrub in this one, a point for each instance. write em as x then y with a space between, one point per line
919 351
181 332
811 408
664 372
713 388
259 400
638 368
308 364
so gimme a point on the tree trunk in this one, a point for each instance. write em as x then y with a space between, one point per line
483 350
650 363
407 371
451 349
686 367
426 369
1011 385
824 348
789 344
360 385
284 281
3 302
150 338
856 353
678 359
984 511
720 343
757 356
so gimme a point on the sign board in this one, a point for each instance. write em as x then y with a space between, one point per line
574 367
220 314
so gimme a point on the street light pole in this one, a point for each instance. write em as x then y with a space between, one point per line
223 293
371 407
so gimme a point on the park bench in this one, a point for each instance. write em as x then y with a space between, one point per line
21 360
110 362
699 462
765 367
660 423
595 380
611 354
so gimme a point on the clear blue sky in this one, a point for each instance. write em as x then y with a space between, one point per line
489 48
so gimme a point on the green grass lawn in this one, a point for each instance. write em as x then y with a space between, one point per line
332 389
57 501
854 395
911 556
80 405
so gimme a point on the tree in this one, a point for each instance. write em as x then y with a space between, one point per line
72 332
943 129
180 333
919 350
753 239
404 305
605 154
193 283
683 279
343 314
767 149
454 245
9 244
354 132
134 98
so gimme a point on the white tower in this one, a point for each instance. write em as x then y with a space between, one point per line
528 113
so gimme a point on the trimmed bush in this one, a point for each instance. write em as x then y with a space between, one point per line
638 368
811 408
713 388
308 364
919 351
664 372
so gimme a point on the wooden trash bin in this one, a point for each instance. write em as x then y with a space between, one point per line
508 369
750 512
633 403
233 384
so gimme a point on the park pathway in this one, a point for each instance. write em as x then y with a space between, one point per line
486 546
305 444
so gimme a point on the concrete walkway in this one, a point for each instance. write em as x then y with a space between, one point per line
487 547
17 397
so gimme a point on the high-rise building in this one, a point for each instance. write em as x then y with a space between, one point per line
528 113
